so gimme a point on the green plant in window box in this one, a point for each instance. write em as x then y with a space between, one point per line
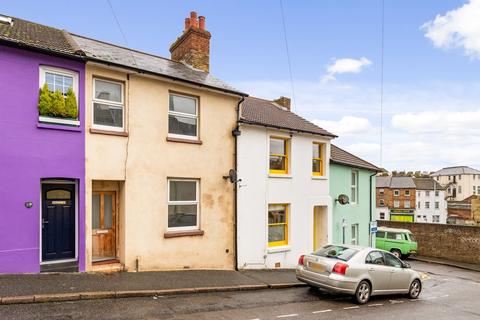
54 104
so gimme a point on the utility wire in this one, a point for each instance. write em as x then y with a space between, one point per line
121 30
288 54
381 81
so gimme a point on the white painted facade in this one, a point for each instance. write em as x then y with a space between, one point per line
382 213
299 189
431 206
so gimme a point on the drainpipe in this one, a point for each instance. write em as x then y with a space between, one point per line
371 209
236 132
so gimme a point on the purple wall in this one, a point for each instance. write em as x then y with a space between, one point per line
29 153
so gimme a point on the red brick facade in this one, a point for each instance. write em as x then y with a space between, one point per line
389 198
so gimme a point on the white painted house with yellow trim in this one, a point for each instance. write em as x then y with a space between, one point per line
284 207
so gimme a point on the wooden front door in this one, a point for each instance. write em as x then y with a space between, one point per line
58 222
104 225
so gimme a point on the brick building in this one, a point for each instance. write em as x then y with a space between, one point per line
395 198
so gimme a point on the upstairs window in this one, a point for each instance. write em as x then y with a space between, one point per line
459 189
427 205
354 188
317 159
183 117
437 205
407 193
396 193
406 204
278 155
108 106
381 192
427 193
58 102
437 193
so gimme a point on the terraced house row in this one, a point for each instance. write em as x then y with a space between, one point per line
116 159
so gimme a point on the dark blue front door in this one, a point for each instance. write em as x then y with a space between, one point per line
58 221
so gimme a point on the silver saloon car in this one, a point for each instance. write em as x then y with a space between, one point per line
358 271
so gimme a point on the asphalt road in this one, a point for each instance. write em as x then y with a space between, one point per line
448 293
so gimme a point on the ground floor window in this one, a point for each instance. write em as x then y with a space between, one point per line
183 204
354 233
382 215
436 219
277 225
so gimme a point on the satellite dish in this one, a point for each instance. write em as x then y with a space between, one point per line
343 199
232 176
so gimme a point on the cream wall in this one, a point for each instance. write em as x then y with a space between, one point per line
151 159
466 182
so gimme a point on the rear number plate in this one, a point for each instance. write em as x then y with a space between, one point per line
317 267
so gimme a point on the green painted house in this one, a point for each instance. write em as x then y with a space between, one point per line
355 178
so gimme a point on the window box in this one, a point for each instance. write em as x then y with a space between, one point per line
63 121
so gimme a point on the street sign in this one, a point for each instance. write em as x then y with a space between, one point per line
373 226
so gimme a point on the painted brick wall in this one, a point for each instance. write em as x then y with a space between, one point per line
452 242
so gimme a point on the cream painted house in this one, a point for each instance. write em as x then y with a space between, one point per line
461 182
284 206
158 145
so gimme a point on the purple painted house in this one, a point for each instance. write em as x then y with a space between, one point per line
42 156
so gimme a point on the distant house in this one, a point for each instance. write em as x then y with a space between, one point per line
395 198
431 203
460 182
284 206
466 211
354 177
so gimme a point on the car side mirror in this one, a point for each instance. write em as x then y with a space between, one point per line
406 265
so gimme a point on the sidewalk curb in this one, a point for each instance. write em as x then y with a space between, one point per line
91 295
444 263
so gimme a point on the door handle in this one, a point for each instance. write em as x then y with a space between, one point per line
44 222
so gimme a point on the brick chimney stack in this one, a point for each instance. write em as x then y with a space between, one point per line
193 46
283 102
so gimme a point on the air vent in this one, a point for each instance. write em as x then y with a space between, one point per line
6 20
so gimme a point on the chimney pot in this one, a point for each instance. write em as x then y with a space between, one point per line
201 22
187 23
193 19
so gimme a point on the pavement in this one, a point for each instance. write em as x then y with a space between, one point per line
31 288
462 265
448 293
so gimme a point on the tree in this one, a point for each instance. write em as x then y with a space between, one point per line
71 105
45 101
58 105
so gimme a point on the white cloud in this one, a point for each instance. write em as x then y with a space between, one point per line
347 125
459 28
345 65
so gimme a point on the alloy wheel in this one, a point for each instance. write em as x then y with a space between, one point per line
415 289
363 292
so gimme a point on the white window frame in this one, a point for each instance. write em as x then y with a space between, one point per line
64 72
196 202
396 203
437 217
355 239
185 115
114 104
354 187
382 215
427 204
396 193
382 202
459 189
406 204
381 191
407 193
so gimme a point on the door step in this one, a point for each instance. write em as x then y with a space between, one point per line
107 267
71 266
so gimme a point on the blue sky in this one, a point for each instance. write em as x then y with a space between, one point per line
431 63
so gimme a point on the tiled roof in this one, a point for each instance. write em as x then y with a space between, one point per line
395 182
113 54
427 184
37 36
455 170
266 113
341 156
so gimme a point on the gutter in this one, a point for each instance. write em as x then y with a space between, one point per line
236 132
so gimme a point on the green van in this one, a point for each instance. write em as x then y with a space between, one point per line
400 242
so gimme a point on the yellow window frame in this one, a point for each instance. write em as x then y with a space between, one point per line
320 159
285 224
285 156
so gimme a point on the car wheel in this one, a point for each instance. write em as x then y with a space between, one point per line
397 253
415 289
362 295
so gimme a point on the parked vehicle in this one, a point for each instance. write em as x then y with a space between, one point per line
400 242
358 271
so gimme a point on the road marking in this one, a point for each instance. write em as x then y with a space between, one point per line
375 305
444 296
348 308
396 301
413 300
322 311
288 315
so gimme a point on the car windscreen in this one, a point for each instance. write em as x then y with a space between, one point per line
336 252
412 238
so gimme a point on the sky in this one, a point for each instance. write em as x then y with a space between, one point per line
431 64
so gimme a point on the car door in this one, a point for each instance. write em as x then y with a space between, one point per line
399 276
378 271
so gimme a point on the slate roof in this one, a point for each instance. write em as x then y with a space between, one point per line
455 171
267 113
395 182
427 184
121 56
33 35
340 156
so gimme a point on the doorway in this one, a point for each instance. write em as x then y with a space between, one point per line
104 220
320 227
58 222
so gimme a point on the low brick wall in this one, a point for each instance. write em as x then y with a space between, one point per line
452 242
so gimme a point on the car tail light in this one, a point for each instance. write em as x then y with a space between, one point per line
340 268
301 260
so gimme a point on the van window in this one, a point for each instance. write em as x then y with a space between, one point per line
412 238
380 234
394 236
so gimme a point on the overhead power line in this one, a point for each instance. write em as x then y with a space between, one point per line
288 54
